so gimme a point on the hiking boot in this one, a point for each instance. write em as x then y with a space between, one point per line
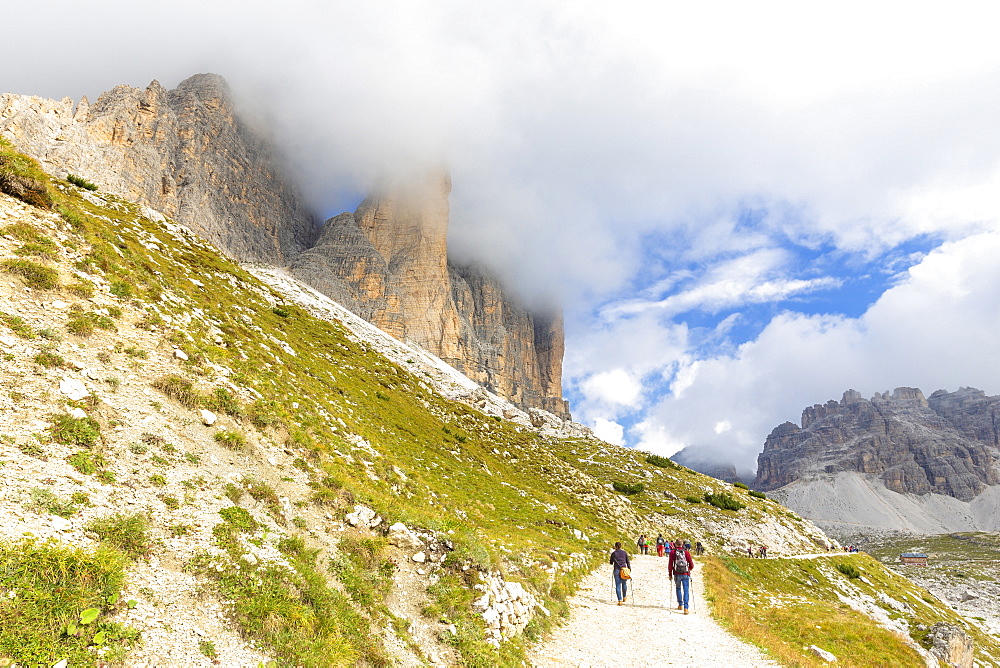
619 602
680 607
685 611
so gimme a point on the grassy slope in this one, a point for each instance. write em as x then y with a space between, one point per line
504 497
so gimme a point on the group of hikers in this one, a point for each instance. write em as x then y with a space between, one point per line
679 566
761 552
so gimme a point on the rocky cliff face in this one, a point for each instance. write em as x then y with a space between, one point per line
388 262
184 152
945 444
188 153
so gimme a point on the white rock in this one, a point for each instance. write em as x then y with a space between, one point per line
208 418
491 616
482 603
822 653
401 536
363 517
60 523
78 413
180 354
74 389
272 461
60 664
8 341
59 304
419 557
250 559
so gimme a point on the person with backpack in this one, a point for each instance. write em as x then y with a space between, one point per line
642 545
620 562
681 564
661 546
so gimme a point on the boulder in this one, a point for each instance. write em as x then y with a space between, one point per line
952 645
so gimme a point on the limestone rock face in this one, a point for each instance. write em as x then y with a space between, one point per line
388 262
184 152
189 154
946 444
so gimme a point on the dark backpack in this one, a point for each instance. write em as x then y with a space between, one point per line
681 563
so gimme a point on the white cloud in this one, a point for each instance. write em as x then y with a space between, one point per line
609 431
934 330
615 387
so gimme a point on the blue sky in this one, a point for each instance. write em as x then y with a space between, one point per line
744 208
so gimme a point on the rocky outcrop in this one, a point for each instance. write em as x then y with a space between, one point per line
944 445
185 152
696 460
388 262
189 154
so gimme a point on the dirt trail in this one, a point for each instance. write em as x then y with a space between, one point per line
648 630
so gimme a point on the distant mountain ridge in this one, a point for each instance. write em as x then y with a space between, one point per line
189 154
897 460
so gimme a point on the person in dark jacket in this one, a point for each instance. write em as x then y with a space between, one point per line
619 559
681 573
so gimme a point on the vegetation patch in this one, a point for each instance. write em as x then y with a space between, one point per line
128 533
81 182
628 488
34 275
56 604
70 430
723 500
22 177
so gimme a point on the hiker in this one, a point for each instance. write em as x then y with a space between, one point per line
619 559
750 551
680 567
661 546
763 551
641 544
699 549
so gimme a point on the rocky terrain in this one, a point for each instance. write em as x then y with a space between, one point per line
896 461
190 154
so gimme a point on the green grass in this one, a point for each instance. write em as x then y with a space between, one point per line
128 533
81 182
22 177
34 275
47 587
786 605
69 430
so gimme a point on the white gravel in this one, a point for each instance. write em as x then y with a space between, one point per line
648 630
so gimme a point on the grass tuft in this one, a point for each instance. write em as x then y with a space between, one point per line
127 533
34 275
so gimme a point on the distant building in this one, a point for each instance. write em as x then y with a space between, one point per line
917 558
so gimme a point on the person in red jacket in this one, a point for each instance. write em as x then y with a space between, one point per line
681 564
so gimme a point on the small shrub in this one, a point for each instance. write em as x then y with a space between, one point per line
223 401
50 360
171 502
80 289
121 289
239 518
850 570
34 275
23 178
662 462
45 500
107 477
128 533
264 493
207 647
158 480
18 325
192 458
280 312
178 530
80 182
740 485
69 430
231 439
179 389
86 463
723 500
628 488
692 499
232 492
138 448
758 495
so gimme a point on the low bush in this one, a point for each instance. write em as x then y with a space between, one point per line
69 430
692 499
723 500
231 439
127 533
23 178
662 462
758 495
34 275
628 488
81 182
740 485
50 360
850 570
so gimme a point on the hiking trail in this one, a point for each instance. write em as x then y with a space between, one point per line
647 630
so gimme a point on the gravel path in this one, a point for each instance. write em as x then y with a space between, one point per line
648 630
